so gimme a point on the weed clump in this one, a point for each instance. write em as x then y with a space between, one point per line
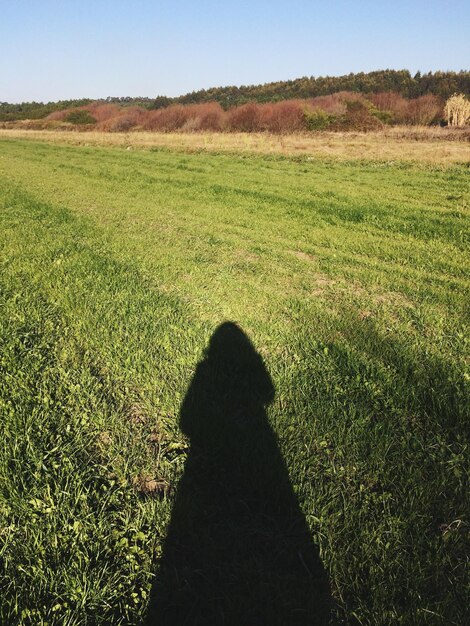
457 110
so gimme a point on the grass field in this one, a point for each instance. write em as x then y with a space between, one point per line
349 277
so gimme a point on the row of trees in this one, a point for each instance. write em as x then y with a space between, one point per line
340 111
401 82
36 110
442 84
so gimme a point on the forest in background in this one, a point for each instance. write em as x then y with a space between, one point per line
401 82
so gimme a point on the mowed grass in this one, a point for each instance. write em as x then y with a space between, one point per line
351 280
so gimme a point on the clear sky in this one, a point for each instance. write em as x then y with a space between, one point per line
60 49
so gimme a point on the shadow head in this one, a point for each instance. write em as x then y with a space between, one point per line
230 389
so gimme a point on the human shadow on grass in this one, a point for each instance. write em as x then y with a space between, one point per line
238 549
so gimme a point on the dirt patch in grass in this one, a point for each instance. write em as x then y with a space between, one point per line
245 255
303 256
151 486
393 298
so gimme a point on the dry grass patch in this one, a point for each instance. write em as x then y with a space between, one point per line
420 144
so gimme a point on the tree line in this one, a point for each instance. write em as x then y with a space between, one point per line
442 84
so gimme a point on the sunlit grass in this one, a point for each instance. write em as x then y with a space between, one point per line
350 278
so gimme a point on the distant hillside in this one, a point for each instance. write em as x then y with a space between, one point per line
441 84
36 110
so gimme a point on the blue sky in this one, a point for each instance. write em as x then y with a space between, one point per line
51 49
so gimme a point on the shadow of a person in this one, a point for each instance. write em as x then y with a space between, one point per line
238 550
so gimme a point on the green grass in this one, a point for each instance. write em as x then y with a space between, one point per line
350 279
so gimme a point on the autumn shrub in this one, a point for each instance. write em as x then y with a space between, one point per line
359 116
282 117
190 117
390 103
102 111
332 104
344 110
206 116
59 116
424 110
119 124
127 118
168 119
151 120
245 118
266 118
98 110
174 117
137 115
279 117
335 103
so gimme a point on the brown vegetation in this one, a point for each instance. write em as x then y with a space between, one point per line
190 117
424 110
340 111
457 110
98 110
436 145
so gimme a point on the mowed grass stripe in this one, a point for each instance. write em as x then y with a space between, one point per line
79 406
205 222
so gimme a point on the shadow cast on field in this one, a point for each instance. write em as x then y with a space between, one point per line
238 550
